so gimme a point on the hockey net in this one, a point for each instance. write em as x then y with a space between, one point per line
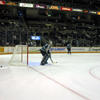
19 56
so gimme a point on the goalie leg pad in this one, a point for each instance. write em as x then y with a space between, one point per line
44 60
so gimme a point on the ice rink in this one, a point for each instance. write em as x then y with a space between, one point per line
73 77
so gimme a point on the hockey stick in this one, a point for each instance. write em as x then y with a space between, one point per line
52 60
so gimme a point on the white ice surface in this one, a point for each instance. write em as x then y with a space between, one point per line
73 77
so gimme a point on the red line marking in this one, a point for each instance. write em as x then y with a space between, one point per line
67 88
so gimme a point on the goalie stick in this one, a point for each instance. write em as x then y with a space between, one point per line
52 60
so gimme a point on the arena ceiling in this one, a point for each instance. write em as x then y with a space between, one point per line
38 18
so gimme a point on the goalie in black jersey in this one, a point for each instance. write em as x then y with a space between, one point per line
45 51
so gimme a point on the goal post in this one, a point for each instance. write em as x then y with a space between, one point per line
19 56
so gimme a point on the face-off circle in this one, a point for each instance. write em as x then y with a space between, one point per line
95 72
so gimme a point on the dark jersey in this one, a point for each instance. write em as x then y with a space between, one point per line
46 48
68 46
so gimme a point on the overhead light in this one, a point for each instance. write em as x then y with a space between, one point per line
98 13
92 12
77 10
85 11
